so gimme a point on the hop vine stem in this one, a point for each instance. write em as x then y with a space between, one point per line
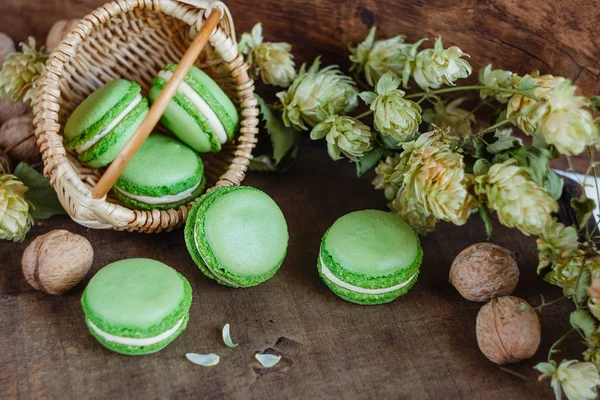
557 343
472 87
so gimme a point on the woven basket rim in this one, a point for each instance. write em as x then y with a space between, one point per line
74 194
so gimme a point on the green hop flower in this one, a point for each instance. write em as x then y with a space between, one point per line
376 57
21 71
496 78
565 121
15 219
578 380
451 116
413 213
434 67
520 203
317 94
556 243
384 171
273 62
435 176
345 135
394 115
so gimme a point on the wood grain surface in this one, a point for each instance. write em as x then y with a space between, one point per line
422 345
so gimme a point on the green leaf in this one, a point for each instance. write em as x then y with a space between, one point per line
41 196
539 140
504 141
486 217
583 207
526 84
595 103
283 139
582 320
368 161
481 167
554 183
535 160
583 283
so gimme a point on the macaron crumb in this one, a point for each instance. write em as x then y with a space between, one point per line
206 360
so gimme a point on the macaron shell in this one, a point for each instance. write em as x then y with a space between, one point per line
98 109
185 122
136 298
108 148
372 243
162 166
214 96
138 205
140 350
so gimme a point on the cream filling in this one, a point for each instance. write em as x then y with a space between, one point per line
222 278
357 289
135 341
170 198
96 138
213 120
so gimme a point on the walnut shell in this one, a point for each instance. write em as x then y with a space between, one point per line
7 45
17 138
508 330
9 110
57 261
5 163
484 271
59 30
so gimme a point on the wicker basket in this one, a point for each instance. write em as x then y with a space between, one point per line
134 39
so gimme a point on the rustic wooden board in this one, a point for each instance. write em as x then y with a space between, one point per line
420 346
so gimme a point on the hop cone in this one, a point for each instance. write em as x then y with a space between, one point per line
518 200
384 181
15 220
345 135
273 62
525 106
579 380
413 213
317 94
21 71
434 67
435 176
451 116
394 116
496 78
556 243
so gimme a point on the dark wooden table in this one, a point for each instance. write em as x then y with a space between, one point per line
422 345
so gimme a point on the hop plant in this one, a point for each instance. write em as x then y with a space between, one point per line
566 272
273 62
435 176
21 71
413 213
394 115
496 78
519 202
317 94
451 116
345 135
377 57
565 121
15 219
437 66
523 107
556 243
384 171
578 380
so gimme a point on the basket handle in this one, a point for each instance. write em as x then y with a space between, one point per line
115 169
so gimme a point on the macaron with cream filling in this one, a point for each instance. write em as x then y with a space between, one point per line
163 174
137 306
103 123
369 257
200 114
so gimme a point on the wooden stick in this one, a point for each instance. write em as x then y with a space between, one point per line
158 107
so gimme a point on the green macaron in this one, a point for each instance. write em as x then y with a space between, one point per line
237 236
103 123
137 306
200 115
370 257
163 174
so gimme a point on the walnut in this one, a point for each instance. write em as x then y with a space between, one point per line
484 271
9 110
508 330
17 138
57 33
57 261
7 45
